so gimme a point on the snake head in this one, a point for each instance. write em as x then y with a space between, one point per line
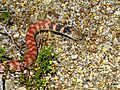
76 35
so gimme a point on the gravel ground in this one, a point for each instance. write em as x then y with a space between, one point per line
91 63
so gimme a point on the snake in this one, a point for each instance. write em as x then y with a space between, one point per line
32 51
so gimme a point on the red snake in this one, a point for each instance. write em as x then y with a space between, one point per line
31 54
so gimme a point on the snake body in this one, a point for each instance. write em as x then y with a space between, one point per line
31 54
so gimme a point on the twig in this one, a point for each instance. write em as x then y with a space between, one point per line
59 33
10 37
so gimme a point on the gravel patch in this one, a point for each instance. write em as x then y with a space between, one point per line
91 63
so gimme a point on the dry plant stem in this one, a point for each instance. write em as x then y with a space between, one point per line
10 37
